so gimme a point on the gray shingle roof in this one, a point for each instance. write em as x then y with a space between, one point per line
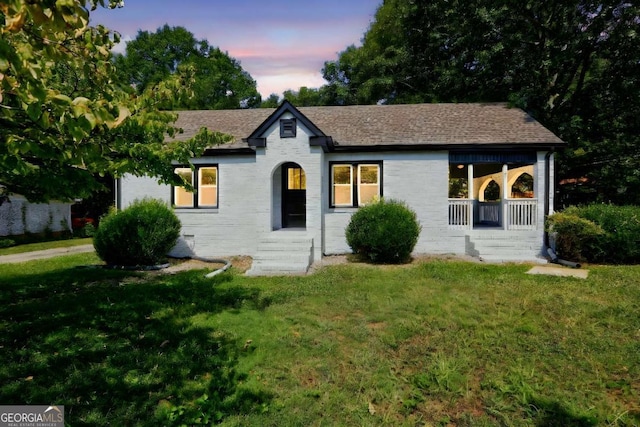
390 125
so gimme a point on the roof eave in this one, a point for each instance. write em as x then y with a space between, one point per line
217 151
544 146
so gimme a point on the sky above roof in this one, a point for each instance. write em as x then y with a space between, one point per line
283 44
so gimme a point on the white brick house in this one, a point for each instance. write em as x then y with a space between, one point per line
479 176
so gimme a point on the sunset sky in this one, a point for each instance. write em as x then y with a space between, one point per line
283 44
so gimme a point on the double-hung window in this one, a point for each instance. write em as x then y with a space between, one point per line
355 184
204 180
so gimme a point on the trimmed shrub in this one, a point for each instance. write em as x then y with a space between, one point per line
384 232
141 234
572 234
620 242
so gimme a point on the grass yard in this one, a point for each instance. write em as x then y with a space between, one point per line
432 343
39 246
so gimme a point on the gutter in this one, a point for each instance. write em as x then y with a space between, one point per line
547 191
496 147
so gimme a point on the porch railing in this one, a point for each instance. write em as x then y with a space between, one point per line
460 214
489 213
522 214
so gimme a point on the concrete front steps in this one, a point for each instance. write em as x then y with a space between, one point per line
282 252
505 246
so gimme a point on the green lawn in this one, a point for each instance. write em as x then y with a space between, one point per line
39 246
433 343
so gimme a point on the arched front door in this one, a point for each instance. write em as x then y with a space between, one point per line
294 196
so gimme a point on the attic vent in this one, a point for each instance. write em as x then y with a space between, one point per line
288 128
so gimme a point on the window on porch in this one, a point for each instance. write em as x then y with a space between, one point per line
458 182
493 194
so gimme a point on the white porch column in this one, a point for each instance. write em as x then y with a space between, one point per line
470 195
505 195
470 181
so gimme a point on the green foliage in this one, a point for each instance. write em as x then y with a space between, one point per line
89 230
523 185
599 233
620 241
7 243
458 188
219 82
141 234
271 102
385 231
304 97
573 65
572 234
63 120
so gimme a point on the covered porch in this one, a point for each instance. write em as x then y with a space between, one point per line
495 191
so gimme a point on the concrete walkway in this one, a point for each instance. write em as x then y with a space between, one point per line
47 253
559 271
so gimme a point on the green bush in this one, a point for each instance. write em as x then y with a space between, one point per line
7 243
383 232
572 234
89 230
141 234
620 242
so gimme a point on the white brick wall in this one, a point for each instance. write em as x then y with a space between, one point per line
250 197
228 230
268 180
420 179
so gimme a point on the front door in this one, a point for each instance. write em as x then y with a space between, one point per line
294 196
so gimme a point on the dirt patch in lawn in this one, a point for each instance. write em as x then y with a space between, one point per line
243 263
238 263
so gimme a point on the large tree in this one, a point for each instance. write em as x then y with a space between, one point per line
574 65
63 119
219 80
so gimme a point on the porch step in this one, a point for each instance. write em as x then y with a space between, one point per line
505 246
282 253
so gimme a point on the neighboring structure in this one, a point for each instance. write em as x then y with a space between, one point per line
19 217
479 176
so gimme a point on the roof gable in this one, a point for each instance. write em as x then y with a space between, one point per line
317 138
285 107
